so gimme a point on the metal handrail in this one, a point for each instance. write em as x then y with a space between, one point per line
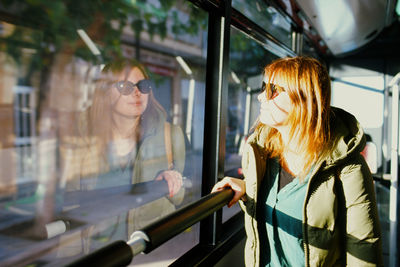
121 253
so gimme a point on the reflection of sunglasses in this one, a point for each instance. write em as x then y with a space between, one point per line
127 87
272 90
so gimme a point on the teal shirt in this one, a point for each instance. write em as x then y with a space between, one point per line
283 215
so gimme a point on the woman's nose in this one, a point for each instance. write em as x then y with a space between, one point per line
136 91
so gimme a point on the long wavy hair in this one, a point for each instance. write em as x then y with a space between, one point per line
99 117
307 83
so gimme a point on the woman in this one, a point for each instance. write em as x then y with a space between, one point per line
308 195
124 139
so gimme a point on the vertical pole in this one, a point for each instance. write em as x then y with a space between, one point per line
385 131
190 106
247 111
215 113
297 41
394 192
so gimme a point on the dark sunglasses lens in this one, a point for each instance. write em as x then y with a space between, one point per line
145 86
125 87
272 89
269 89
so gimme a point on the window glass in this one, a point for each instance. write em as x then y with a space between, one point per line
308 48
267 17
243 107
98 102
369 89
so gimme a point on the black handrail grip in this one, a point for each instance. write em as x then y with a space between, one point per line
178 221
117 253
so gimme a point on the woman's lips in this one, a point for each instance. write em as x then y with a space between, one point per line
135 103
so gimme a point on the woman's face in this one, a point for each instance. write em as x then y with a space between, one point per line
275 107
135 103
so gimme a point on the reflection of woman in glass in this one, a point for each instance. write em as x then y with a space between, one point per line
308 195
129 124
126 140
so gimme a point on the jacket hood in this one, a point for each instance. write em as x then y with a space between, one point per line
347 135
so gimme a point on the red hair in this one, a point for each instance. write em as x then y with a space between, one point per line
307 83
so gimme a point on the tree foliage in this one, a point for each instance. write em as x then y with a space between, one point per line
48 27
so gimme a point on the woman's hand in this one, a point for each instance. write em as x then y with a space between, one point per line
174 180
237 185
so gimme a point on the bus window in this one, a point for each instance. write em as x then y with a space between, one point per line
243 107
102 118
368 86
267 17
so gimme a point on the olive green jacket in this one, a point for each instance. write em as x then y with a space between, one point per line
82 162
340 218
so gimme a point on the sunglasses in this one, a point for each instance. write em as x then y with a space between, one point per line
127 87
272 90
